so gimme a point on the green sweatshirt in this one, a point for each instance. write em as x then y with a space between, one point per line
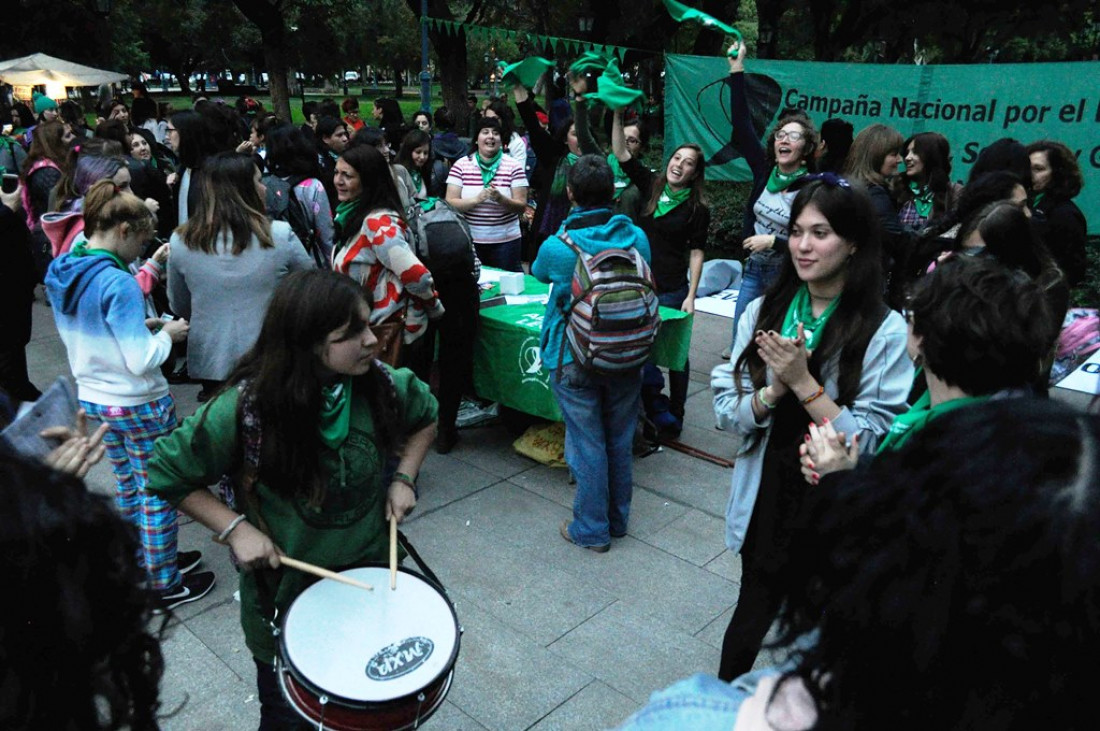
348 528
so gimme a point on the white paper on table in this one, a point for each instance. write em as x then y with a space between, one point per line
722 303
1086 378
489 275
526 299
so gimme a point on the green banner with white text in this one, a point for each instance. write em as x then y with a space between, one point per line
970 105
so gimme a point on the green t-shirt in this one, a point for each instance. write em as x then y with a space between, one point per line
348 528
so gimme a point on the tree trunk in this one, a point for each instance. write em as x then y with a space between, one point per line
183 76
451 52
398 82
267 15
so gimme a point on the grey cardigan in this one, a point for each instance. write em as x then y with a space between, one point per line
884 385
225 296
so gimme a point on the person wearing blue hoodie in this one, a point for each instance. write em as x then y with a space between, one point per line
600 411
115 355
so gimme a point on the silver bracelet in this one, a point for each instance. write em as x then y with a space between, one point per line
229 529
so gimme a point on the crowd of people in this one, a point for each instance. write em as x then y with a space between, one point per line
892 340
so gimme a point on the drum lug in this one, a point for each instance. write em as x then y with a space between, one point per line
420 697
275 629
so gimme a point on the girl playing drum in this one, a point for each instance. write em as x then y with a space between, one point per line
304 437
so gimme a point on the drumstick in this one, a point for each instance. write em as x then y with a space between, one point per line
393 552
323 573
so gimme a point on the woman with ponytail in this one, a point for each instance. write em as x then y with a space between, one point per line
821 347
115 354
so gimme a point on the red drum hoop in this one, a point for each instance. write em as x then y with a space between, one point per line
353 660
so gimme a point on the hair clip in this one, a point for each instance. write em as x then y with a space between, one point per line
76 149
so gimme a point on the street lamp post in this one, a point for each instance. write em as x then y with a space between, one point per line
425 74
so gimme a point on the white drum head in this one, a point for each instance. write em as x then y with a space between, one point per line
371 646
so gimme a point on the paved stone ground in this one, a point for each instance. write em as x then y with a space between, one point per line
555 637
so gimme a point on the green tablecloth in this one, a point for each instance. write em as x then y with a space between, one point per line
507 365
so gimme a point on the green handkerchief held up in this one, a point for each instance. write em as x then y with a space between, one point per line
589 62
527 71
612 92
681 13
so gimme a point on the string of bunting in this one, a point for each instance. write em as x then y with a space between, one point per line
553 43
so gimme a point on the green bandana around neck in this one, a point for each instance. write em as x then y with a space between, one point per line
344 211
561 173
916 418
669 199
1035 201
922 198
622 180
779 181
418 181
81 249
489 169
801 311
335 413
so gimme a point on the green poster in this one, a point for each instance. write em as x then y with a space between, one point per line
970 105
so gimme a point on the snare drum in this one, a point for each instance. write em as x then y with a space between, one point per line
352 660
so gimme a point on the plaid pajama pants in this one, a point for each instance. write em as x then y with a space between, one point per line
129 441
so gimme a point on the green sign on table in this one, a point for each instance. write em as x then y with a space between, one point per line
508 364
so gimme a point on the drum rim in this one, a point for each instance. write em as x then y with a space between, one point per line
282 659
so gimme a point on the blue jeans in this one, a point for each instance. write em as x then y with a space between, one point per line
600 413
759 273
504 256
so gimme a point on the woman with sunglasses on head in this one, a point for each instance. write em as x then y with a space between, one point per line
786 155
821 347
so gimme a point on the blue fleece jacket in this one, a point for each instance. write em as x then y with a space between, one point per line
100 314
556 261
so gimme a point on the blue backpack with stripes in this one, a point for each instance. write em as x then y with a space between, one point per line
613 319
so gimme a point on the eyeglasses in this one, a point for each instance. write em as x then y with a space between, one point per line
170 129
793 136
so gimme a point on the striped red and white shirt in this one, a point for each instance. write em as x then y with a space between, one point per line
490 222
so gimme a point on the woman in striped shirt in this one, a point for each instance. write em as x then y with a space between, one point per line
490 189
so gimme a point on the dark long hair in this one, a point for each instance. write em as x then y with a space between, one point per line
377 187
697 184
80 651
414 139
229 205
195 140
860 311
291 153
969 553
934 152
282 377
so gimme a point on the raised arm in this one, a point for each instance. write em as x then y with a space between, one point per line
587 140
744 137
546 149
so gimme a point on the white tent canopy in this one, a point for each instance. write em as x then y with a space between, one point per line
38 68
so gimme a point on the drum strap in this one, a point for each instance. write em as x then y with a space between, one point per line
404 541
